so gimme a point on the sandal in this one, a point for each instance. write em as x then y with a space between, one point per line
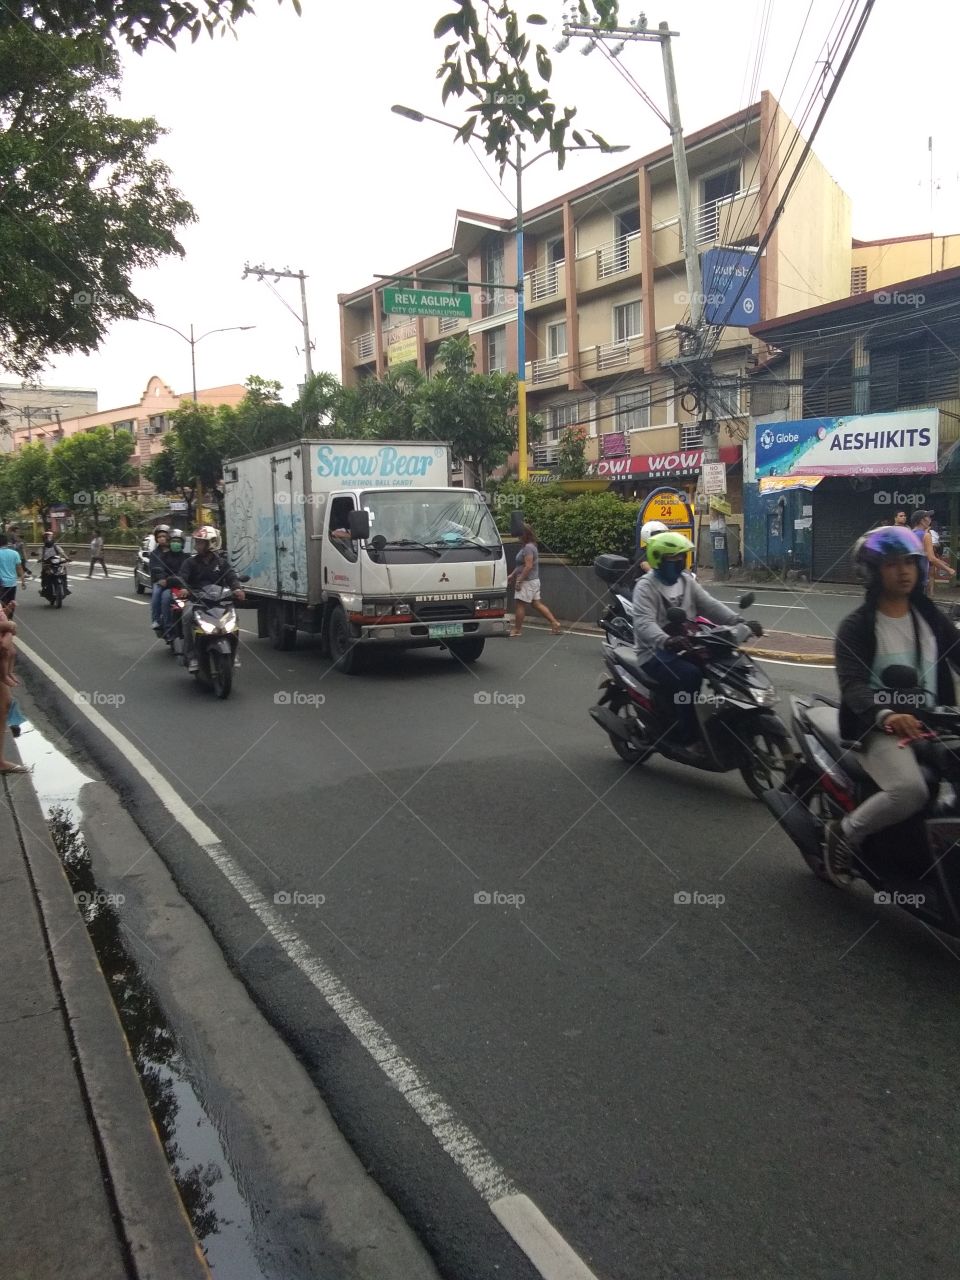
556 631
514 635
14 768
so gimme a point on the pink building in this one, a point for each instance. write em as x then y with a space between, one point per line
148 421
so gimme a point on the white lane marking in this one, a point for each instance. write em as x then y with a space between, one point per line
519 1216
131 600
539 1239
758 604
782 662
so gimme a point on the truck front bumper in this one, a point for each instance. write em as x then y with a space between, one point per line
417 633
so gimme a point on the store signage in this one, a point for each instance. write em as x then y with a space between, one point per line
731 287
902 443
672 507
683 462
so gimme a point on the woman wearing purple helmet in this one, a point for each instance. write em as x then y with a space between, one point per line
897 625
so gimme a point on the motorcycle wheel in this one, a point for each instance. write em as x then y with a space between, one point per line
628 754
770 758
221 673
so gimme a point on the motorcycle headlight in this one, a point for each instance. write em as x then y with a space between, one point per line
228 624
765 697
206 627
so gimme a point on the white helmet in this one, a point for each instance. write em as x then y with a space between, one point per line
207 533
650 528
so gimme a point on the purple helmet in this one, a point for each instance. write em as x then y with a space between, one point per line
891 542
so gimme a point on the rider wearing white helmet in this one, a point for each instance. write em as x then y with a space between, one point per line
205 568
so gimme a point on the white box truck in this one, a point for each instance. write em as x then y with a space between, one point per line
366 544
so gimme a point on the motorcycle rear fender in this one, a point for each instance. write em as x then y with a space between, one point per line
796 820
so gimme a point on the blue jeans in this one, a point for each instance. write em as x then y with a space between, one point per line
681 678
155 596
166 609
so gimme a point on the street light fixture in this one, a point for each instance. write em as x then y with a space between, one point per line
27 410
232 328
518 165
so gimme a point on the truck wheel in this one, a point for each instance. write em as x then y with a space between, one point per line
282 635
466 650
343 648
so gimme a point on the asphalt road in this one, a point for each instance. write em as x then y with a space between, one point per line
761 1088
812 613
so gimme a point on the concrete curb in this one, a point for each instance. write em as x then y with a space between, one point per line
803 659
155 1225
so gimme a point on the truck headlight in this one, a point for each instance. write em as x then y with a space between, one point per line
370 610
399 608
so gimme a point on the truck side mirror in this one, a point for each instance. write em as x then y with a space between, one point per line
358 522
516 524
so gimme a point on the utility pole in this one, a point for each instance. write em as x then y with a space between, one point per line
286 274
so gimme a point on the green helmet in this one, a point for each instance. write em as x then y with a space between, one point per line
667 544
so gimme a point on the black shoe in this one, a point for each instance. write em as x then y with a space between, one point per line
15 730
838 856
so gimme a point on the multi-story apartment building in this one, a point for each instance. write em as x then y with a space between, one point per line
876 377
20 405
148 420
605 289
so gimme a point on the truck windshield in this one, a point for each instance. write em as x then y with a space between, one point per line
437 519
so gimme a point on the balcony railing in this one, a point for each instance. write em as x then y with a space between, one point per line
617 256
615 354
691 437
365 346
545 455
547 370
711 217
545 283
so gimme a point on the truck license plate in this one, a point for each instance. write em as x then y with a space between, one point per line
445 629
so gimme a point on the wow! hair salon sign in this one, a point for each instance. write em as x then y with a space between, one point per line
866 444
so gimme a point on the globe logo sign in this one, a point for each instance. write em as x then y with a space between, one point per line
766 440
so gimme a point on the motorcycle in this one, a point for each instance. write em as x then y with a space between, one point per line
617 617
53 581
216 637
737 725
179 599
914 865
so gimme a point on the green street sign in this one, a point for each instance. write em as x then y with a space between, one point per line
426 302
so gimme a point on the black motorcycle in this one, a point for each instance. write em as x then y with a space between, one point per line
53 581
616 617
216 636
914 865
738 727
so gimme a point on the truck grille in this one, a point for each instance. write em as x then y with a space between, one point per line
444 611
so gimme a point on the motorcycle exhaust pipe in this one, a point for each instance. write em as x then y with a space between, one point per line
611 723
796 820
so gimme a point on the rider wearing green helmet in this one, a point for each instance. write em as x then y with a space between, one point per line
669 586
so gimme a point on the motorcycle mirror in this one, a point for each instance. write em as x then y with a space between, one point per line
516 524
899 677
746 600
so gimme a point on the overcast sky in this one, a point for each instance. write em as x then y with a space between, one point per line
284 142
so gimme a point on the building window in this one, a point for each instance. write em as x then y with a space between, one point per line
715 189
562 416
914 375
828 389
493 277
497 350
156 425
556 340
858 280
627 321
725 398
633 410
127 425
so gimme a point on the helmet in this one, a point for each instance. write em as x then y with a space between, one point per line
667 544
176 533
160 528
207 533
890 542
650 528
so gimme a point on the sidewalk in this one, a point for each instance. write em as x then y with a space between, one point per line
85 1189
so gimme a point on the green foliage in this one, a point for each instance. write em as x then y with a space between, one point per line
84 466
572 454
138 22
84 205
579 527
381 408
476 412
33 479
488 63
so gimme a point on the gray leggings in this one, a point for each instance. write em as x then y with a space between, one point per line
903 791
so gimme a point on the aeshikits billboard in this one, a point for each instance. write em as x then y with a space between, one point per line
863 444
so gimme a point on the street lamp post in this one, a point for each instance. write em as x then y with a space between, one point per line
231 328
27 411
518 165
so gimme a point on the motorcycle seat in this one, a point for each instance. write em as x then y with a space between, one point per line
825 723
627 657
